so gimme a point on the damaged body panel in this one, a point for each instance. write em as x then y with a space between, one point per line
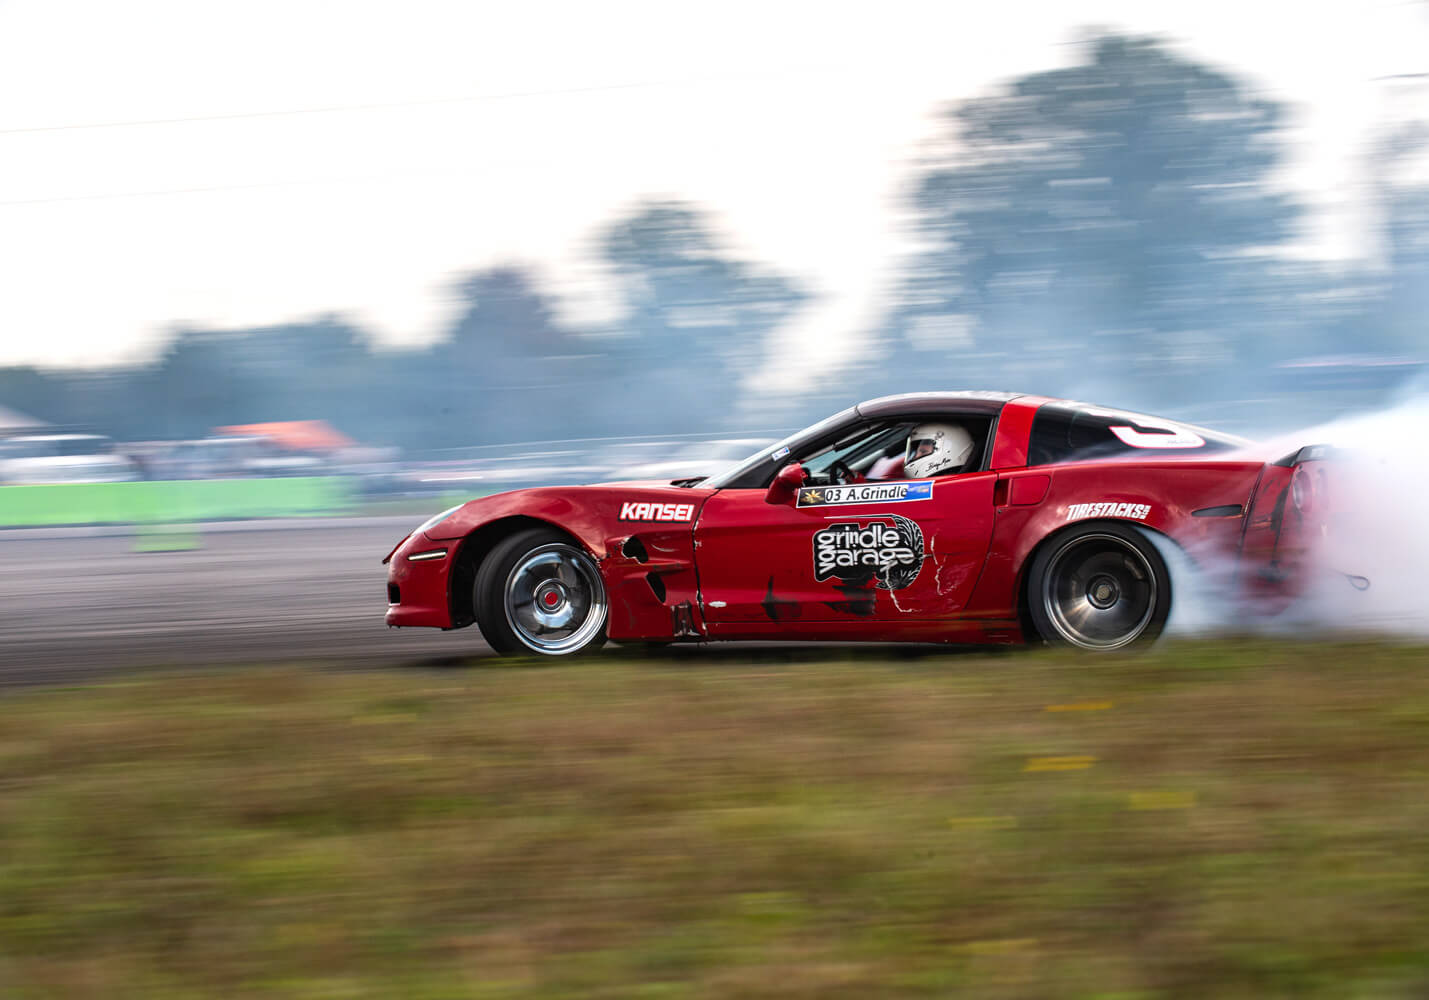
873 559
647 565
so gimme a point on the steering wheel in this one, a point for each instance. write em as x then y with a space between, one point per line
840 474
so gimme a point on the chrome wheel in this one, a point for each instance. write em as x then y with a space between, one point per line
1099 591
554 599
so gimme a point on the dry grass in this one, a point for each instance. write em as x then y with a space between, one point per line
1231 819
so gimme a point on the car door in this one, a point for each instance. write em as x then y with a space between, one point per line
874 552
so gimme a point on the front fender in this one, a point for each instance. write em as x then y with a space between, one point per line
641 536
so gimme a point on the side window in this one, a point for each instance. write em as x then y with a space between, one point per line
872 447
978 429
857 450
1063 433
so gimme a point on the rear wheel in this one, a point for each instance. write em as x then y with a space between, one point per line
540 592
1102 587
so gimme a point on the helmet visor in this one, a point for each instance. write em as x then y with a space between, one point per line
919 448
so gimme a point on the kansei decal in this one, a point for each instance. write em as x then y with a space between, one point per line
633 511
1136 511
887 550
823 496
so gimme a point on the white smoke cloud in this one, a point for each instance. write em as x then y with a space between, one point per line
1379 532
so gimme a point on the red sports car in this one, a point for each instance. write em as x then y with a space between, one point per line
930 517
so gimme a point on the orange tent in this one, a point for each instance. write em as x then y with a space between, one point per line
295 435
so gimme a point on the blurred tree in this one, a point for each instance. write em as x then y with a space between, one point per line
1106 225
1401 166
293 371
1406 305
34 393
505 312
698 320
506 371
509 370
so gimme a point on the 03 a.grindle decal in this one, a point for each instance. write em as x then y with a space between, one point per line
887 549
821 496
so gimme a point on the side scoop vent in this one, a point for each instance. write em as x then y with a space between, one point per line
634 548
1224 510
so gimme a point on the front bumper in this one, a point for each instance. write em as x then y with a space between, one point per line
418 582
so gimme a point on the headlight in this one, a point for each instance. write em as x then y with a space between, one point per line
437 519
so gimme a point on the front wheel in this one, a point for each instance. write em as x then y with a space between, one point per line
1101 587
540 592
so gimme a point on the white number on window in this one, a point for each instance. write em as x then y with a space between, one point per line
1149 432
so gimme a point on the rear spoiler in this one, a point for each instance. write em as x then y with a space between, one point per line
1309 453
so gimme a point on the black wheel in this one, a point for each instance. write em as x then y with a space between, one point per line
540 592
1101 586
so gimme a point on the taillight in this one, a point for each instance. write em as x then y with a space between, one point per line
1302 490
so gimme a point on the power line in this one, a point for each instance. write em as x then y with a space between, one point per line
341 108
251 186
321 110
397 105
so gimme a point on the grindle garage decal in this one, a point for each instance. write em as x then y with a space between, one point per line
820 496
887 550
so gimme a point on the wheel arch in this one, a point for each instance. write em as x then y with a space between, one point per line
1024 606
474 548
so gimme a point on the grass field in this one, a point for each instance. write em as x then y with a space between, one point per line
1237 819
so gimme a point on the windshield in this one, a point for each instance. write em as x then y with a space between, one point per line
759 468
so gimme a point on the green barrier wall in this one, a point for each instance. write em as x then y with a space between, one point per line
175 501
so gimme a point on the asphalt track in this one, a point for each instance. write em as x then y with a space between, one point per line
78 603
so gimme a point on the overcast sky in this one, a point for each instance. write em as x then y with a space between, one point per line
458 135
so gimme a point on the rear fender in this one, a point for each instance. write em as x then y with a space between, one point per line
1198 505
1290 513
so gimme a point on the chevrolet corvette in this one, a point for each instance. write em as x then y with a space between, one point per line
959 517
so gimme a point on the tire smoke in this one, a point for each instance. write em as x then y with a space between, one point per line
1367 571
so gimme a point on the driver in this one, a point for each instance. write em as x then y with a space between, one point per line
936 450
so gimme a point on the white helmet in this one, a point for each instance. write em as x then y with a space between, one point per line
935 448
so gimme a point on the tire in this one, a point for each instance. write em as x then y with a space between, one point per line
1099 587
539 592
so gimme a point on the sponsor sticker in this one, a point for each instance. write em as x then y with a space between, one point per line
1108 508
779 454
827 496
632 510
887 550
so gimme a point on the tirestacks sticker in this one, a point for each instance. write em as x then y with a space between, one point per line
1108 508
826 496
